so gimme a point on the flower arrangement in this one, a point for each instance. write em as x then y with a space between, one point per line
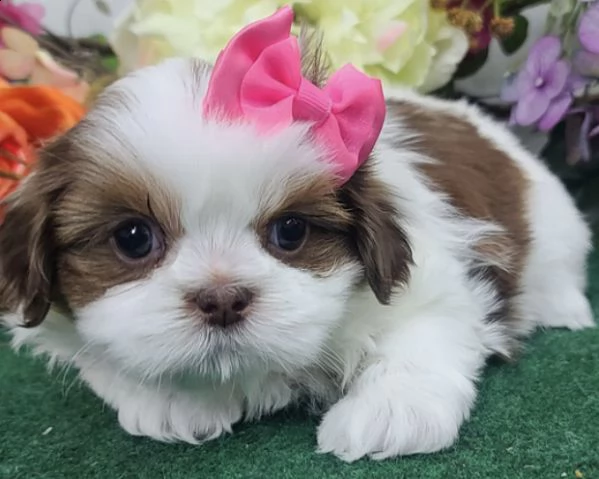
44 84
423 44
28 117
23 61
406 43
560 79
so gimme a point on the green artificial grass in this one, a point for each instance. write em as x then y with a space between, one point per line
536 419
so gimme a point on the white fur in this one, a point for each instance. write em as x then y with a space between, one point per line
407 371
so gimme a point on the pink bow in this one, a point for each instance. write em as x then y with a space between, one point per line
258 77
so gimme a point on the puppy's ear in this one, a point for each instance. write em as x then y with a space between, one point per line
27 252
380 241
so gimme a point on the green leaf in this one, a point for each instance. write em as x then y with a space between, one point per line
110 63
98 38
513 43
471 64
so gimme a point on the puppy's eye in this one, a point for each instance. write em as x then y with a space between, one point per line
135 238
289 233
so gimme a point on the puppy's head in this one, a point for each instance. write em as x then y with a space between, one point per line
181 244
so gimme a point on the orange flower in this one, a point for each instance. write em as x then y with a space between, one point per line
29 115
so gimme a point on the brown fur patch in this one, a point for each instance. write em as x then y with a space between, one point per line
26 253
328 243
480 181
379 238
355 223
55 244
97 200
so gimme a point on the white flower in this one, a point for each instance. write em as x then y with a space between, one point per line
450 45
156 29
403 42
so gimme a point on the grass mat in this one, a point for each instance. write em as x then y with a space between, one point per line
536 419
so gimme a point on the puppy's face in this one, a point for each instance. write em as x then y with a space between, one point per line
181 245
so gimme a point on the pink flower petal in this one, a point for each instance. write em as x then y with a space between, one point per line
19 41
531 108
588 29
30 17
555 112
15 66
556 79
33 10
26 15
395 30
543 54
61 76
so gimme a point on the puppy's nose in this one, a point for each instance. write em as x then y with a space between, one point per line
224 306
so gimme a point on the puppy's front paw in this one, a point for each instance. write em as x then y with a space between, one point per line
382 425
177 418
267 396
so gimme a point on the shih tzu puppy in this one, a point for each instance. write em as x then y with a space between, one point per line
213 243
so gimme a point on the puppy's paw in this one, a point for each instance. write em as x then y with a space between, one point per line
570 309
267 396
177 418
381 425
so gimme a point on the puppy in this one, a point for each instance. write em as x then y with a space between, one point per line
197 273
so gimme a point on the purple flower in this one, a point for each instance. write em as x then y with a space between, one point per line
541 90
588 29
587 63
582 133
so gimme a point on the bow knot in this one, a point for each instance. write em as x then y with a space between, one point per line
258 77
311 103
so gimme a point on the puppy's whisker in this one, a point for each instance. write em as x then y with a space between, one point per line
70 364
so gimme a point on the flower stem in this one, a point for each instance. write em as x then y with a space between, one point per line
569 29
497 8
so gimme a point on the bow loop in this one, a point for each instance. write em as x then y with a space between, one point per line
257 77
359 109
268 88
237 58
